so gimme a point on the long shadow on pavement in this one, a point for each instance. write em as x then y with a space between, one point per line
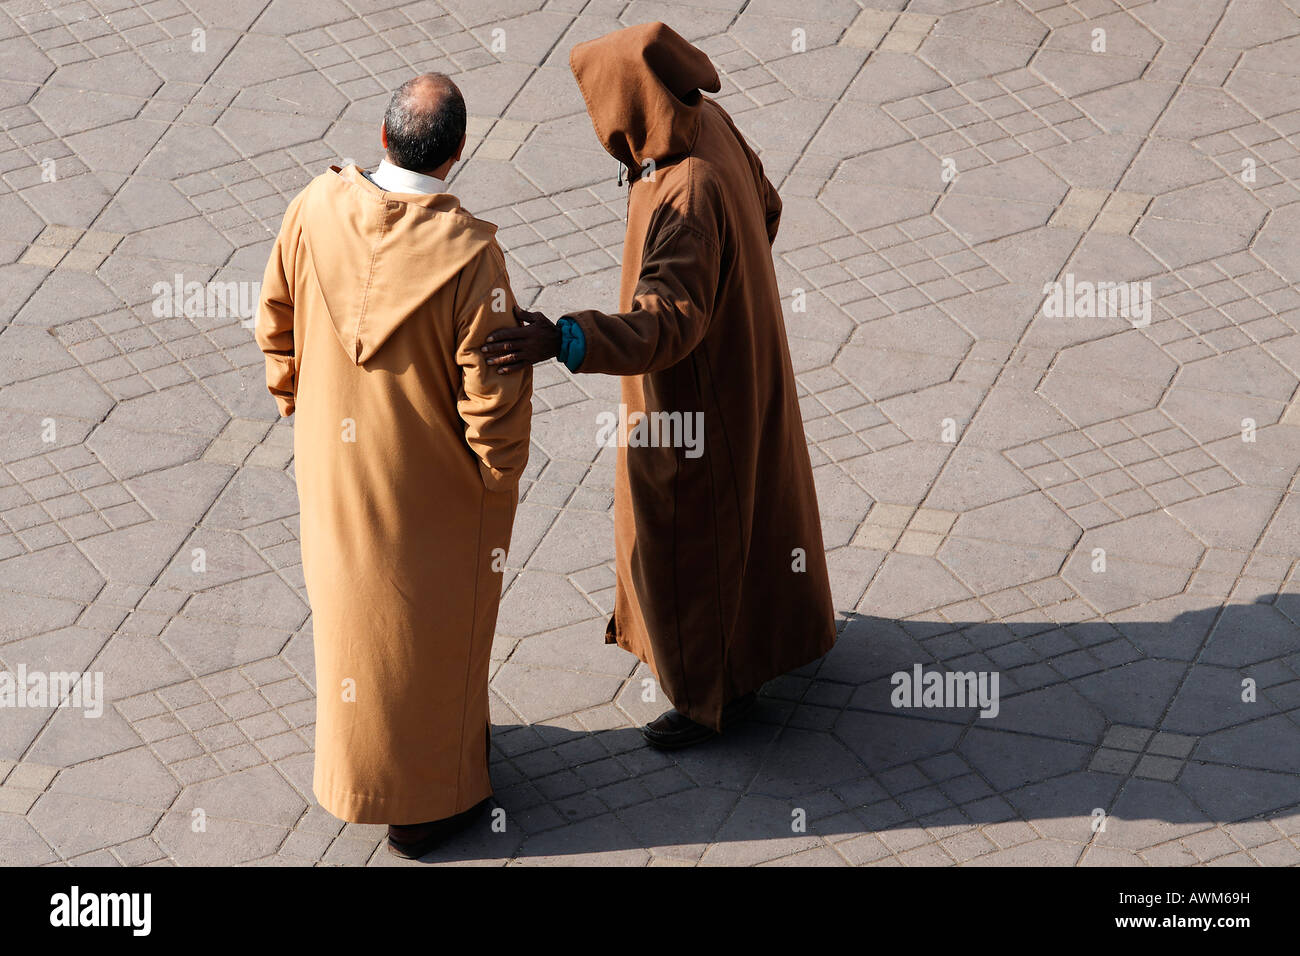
1125 735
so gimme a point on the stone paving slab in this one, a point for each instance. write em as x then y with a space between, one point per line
1040 261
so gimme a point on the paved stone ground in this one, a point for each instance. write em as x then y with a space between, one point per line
971 452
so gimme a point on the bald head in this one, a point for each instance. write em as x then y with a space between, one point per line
424 125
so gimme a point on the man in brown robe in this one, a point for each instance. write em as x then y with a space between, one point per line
722 580
407 455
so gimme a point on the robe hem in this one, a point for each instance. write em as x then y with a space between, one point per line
353 807
714 720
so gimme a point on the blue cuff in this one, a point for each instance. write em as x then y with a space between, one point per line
573 344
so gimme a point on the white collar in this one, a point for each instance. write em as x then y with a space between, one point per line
395 179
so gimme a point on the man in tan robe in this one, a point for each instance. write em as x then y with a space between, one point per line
722 581
407 454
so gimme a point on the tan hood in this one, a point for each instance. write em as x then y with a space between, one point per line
642 86
394 251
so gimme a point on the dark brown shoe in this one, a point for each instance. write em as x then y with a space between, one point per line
417 839
673 730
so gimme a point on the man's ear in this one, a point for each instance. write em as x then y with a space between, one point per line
460 149
383 136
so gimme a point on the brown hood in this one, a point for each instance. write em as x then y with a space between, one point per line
642 86
397 249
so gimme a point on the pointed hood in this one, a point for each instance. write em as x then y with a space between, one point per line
398 249
642 87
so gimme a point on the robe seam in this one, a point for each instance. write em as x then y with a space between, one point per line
723 678
717 563
677 617
740 529
370 277
469 657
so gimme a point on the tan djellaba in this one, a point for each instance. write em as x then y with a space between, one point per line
407 454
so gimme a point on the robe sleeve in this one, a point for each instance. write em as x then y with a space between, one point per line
274 327
671 308
497 409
